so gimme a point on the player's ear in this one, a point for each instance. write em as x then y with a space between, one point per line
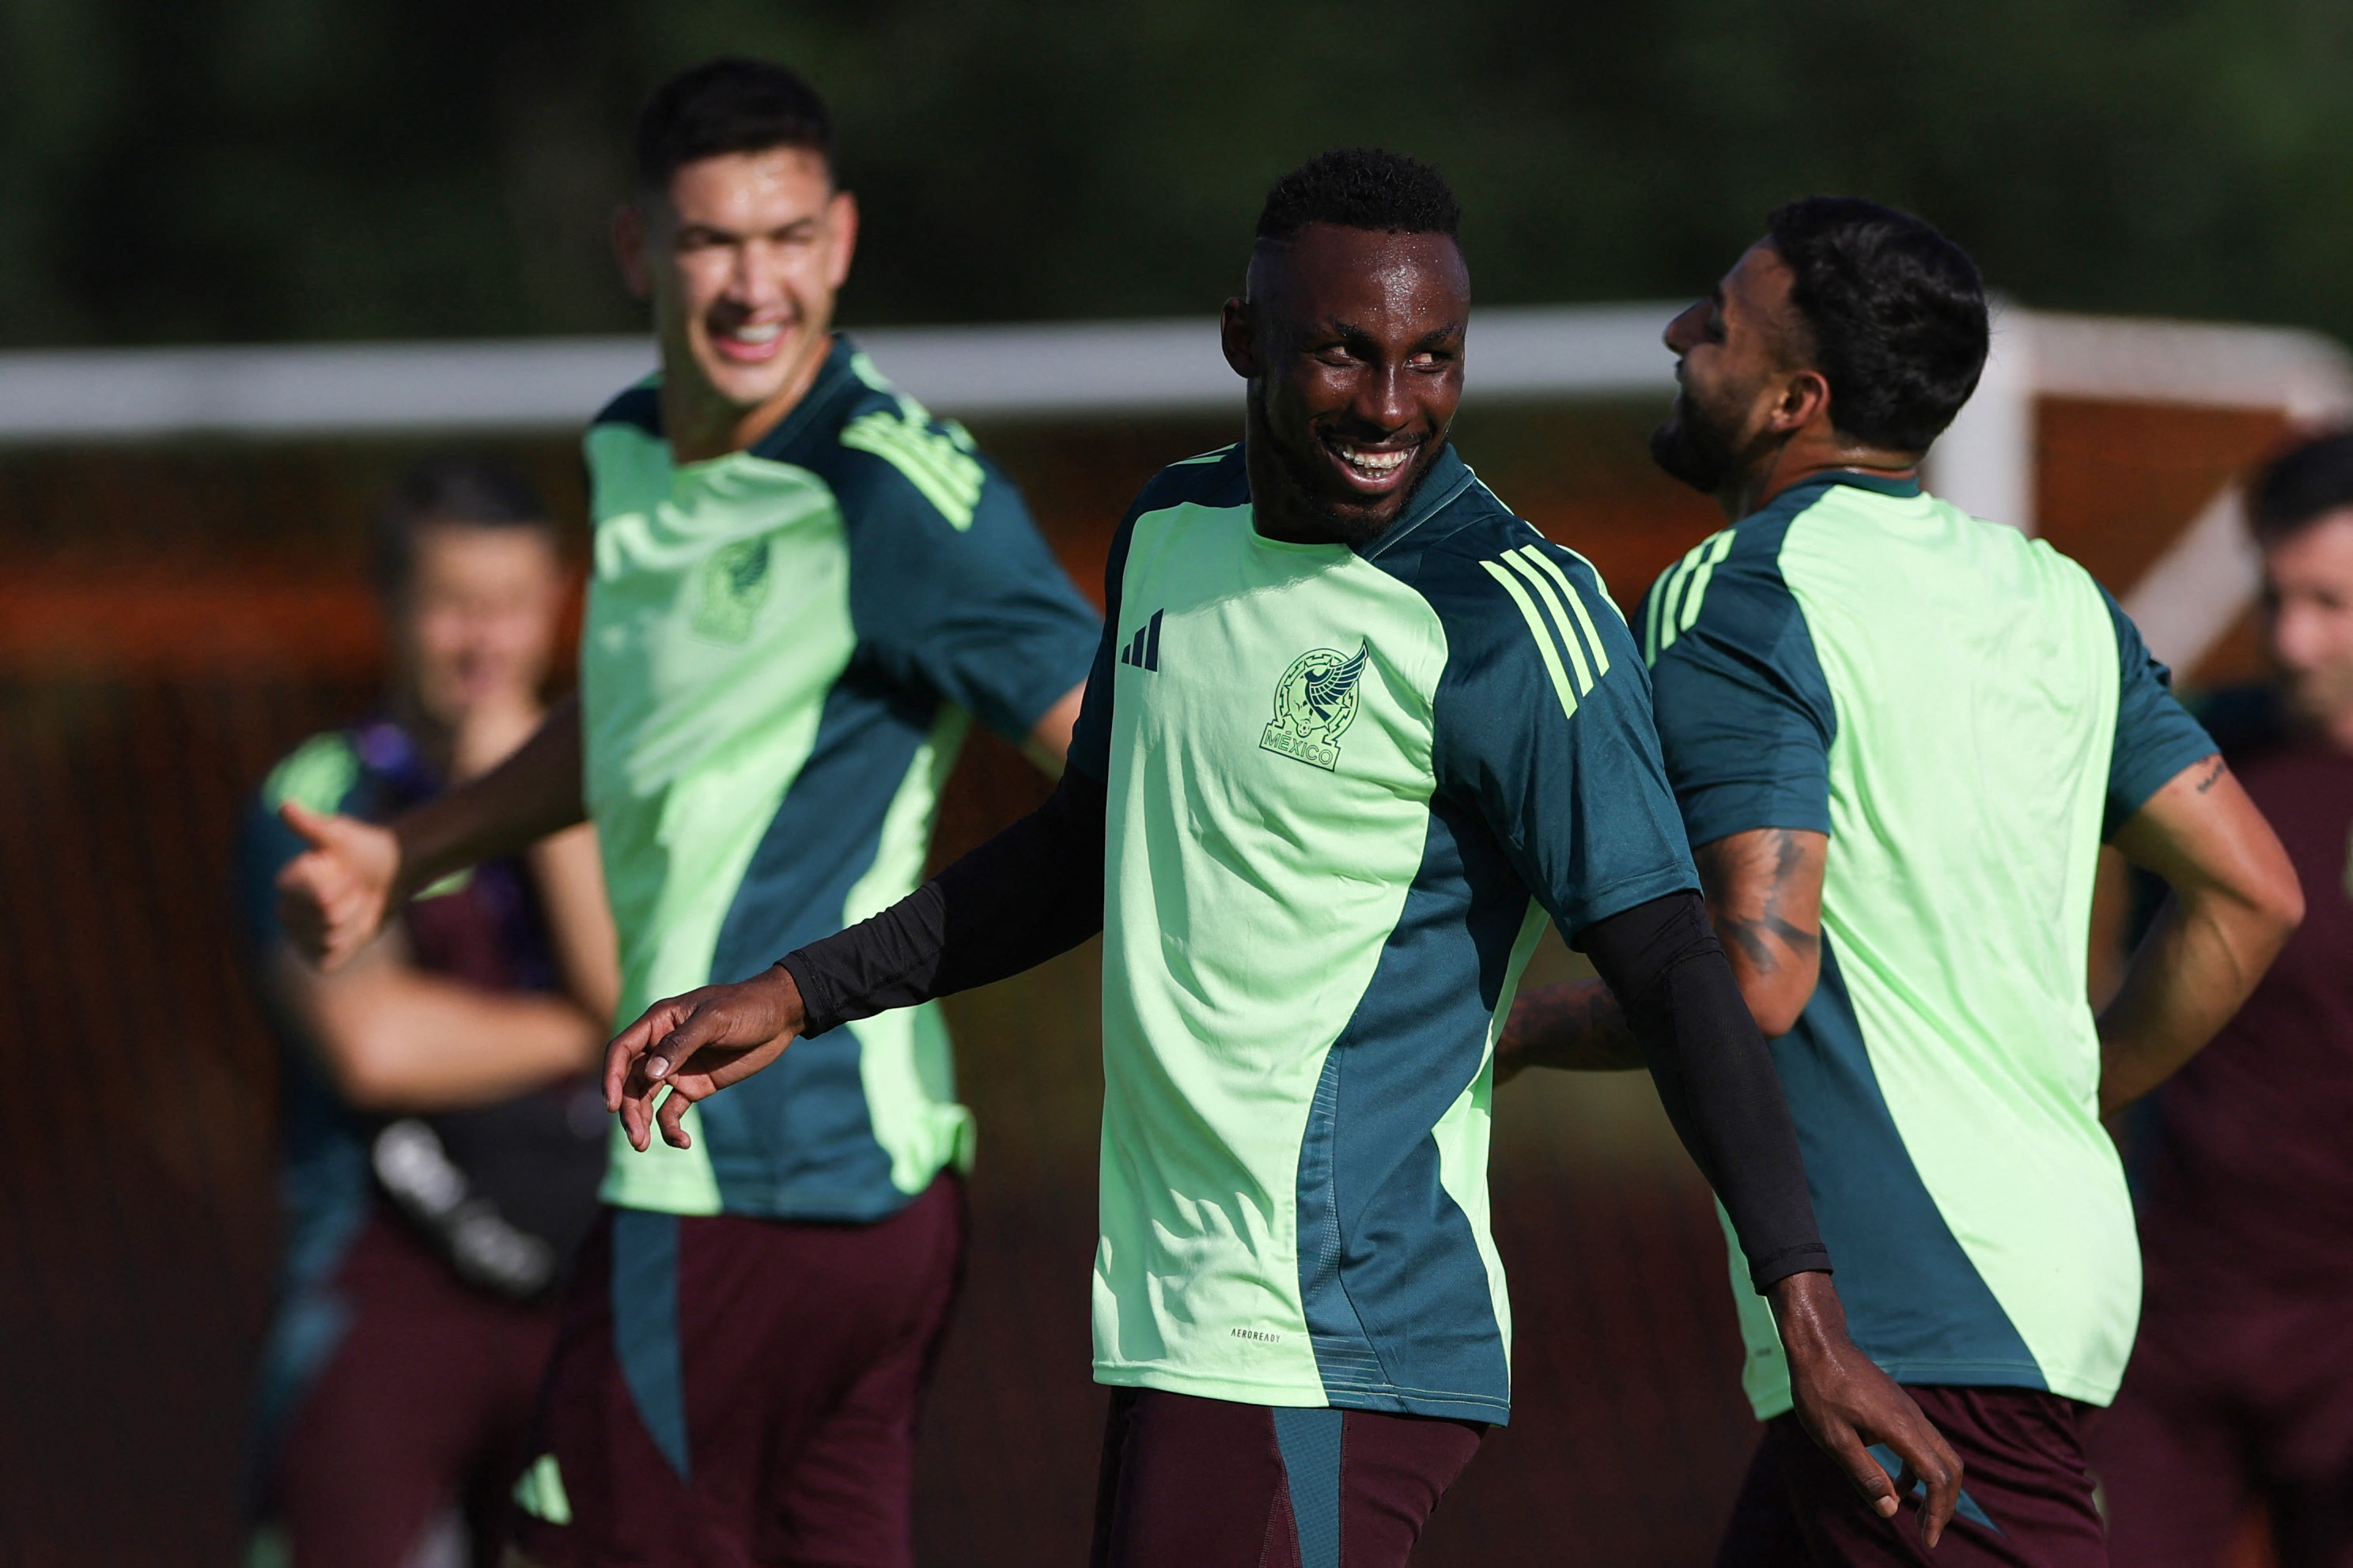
1805 397
841 221
1238 335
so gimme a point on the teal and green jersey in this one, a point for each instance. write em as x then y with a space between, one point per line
1345 788
1966 714
783 648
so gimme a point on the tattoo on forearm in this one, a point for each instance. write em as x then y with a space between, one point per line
2213 775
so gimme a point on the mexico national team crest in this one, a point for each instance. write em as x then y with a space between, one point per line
1314 703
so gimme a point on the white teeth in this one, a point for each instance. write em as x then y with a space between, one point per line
768 334
1374 462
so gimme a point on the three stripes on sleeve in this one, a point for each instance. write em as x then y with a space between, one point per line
1556 618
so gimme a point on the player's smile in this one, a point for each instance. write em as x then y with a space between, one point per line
748 342
1370 469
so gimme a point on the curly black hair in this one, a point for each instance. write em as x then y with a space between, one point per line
1895 312
1361 187
727 105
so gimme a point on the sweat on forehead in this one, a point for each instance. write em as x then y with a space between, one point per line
1322 258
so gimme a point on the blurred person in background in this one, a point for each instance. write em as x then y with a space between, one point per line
2240 1387
804 589
1897 736
441 1147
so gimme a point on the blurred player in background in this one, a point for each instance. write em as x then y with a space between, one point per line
804 589
1311 923
442 1149
1898 736
2241 1388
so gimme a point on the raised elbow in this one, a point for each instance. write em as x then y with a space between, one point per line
368 1074
2279 904
1776 1000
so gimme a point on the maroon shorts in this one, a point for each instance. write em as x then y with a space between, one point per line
2223 1408
1201 1483
730 1390
2026 1498
424 1404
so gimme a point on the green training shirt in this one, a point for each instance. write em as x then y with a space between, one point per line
782 645
1345 787
1966 714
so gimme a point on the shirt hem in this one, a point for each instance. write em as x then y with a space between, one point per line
835 1207
1955 1374
1446 1404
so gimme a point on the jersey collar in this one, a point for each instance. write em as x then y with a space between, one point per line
1448 477
1878 484
834 378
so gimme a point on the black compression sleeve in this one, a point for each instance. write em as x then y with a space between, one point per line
1032 891
1714 1075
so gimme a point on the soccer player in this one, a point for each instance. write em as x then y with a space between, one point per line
1354 733
1898 736
803 586
2240 1387
442 1136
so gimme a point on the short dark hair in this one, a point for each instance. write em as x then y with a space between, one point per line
1894 311
727 105
453 487
2301 485
1361 187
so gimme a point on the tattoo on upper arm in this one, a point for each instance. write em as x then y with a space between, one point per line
1759 926
2213 775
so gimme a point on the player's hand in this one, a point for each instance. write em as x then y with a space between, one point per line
332 896
697 1044
1847 1403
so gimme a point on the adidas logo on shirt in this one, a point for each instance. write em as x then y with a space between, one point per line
1144 652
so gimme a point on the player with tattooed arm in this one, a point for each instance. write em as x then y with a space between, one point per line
1898 737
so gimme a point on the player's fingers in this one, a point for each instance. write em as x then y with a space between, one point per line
671 1116
314 828
1869 1476
703 1024
627 1049
1928 1456
638 1109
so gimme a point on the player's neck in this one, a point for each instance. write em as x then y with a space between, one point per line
2334 731
703 424
434 740
1809 454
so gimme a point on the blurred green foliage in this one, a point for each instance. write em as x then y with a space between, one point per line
223 170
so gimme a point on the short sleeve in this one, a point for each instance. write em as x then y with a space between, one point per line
1543 725
2156 736
1745 716
951 588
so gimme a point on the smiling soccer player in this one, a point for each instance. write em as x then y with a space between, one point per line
1898 735
804 589
1354 732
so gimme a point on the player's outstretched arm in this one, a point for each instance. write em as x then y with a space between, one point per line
2235 902
334 896
1034 890
1718 1084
